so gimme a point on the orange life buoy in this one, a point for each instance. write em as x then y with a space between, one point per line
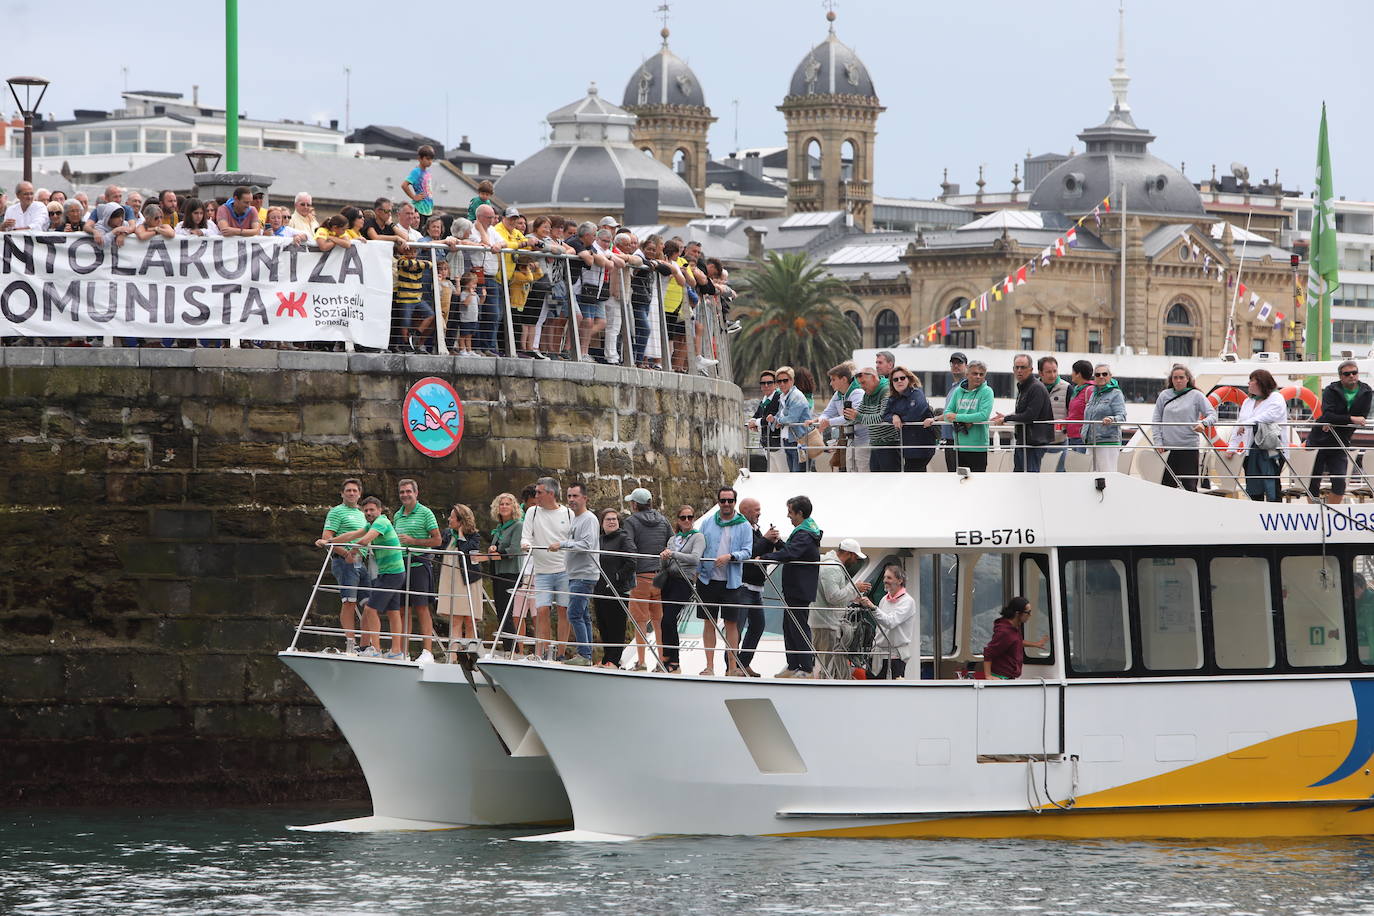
1230 394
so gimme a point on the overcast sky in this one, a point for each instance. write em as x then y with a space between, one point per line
964 83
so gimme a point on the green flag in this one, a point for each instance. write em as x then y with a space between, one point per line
1323 275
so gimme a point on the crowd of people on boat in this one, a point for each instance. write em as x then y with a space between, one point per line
609 587
880 418
470 278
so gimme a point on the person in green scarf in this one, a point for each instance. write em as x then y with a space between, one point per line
800 578
1105 411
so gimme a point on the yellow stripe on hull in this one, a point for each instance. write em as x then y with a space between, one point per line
1084 823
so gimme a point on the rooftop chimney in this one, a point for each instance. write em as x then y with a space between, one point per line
464 145
753 164
641 202
333 123
195 95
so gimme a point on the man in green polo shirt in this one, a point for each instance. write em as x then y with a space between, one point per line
416 526
347 565
387 587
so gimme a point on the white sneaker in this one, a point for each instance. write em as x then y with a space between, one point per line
704 363
786 672
425 658
732 328
586 358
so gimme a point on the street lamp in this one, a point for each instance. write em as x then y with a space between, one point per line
200 160
28 107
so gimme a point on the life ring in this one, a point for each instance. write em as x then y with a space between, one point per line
1230 394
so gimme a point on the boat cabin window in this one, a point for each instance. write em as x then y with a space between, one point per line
988 594
1035 585
1313 625
939 591
1170 613
1095 615
1242 621
1362 595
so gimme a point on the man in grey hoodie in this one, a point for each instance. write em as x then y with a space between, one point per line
651 532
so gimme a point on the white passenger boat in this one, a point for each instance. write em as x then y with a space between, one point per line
1208 673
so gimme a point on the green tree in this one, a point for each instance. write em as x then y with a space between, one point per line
790 315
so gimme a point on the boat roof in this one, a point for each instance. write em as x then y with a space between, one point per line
1030 511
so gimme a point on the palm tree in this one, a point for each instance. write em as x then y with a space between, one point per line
790 315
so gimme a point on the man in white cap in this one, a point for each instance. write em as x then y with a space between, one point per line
836 590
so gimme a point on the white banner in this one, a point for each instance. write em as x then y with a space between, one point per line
66 285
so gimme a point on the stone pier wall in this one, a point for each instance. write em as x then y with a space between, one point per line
157 513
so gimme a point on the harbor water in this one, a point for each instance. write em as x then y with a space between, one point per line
246 861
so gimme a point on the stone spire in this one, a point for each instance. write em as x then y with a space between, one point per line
1119 79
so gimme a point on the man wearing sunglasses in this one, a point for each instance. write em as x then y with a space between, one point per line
770 437
1345 405
728 543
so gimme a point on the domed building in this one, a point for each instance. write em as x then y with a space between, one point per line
1172 290
831 109
1116 162
666 98
583 171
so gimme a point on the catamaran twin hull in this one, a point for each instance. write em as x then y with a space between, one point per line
1192 757
427 747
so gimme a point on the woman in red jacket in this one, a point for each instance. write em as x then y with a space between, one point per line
1004 653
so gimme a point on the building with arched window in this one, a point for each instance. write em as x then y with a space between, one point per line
671 116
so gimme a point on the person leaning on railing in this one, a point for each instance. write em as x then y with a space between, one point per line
389 583
907 411
680 560
884 453
1346 404
967 409
1104 413
1178 405
1260 436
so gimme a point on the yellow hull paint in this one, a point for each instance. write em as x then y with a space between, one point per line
1256 791
1079 823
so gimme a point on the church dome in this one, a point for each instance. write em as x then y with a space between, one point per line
1117 155
664 79
832 68
587 161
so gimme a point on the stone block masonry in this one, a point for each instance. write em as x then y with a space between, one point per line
155 521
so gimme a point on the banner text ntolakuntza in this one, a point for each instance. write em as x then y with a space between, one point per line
66 285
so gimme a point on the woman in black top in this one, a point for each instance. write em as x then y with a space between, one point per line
905 409
610 598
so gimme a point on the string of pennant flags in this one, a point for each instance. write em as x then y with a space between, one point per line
1017 278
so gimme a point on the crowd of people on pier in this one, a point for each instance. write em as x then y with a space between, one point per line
880 418
583 586
481 280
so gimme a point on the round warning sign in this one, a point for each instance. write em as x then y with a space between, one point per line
433 417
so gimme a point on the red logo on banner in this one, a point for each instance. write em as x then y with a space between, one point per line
292 304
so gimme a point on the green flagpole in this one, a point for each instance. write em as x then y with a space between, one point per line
1323 273
231 85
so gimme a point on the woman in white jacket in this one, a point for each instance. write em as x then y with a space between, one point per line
896 618
1263 455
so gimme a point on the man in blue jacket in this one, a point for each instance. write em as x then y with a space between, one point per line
729 542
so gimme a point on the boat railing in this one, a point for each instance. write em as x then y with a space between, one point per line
508 638
1139 450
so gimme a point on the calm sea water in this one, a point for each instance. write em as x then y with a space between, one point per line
238 861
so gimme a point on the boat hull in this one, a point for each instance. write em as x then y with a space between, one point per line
1193 758
430 756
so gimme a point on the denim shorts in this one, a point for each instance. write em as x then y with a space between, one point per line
592 309
468 328
349 576
551 589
